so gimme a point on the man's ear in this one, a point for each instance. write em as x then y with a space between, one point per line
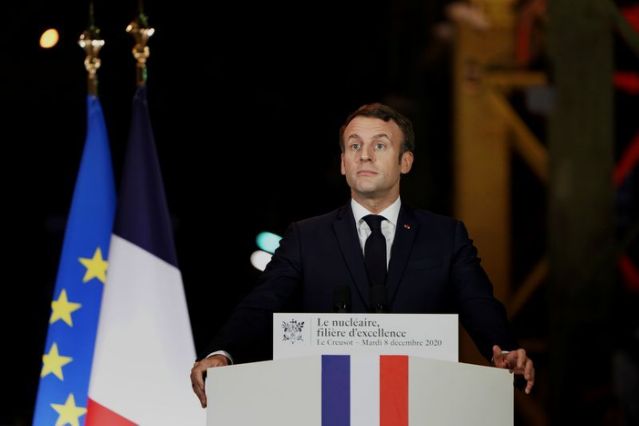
341 165
406 162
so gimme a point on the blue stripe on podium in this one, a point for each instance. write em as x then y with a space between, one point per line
336 390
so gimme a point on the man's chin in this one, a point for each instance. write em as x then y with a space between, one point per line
367 192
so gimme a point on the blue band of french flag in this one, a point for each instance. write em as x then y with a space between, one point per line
336 390
369 391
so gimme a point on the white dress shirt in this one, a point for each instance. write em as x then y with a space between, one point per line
391 213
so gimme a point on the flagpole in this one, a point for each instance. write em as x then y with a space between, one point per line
141 32
91 42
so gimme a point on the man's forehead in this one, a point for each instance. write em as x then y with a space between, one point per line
370 127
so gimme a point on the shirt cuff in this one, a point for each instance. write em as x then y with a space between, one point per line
224 354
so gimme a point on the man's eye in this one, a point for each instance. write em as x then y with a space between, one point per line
355 147
380 146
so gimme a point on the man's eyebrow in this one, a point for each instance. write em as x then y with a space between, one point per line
381 136
377 136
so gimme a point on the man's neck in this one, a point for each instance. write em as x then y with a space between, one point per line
375 205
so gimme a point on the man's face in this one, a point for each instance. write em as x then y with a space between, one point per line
371 161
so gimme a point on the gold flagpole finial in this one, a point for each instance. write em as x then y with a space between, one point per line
91 42
141 32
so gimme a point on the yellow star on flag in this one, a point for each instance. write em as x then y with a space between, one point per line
96 266
62 309
53 362
69 412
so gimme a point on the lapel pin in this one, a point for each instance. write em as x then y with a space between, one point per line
406 226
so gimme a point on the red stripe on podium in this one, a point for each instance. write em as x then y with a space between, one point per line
393 390
99 415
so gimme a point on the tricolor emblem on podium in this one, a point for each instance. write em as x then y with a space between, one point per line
371 391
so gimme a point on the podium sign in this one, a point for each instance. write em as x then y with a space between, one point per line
424 335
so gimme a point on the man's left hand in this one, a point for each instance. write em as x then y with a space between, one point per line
517 362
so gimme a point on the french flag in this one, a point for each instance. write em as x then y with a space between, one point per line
370 391
399 390
144 347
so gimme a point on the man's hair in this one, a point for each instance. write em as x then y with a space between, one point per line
386 113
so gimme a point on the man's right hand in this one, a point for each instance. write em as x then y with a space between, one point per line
198 374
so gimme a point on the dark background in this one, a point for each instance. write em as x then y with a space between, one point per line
246 101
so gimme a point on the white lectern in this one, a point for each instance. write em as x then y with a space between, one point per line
359 390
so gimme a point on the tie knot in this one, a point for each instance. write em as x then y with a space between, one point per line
374 221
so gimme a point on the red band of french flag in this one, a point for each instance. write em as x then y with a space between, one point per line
100 415
369 391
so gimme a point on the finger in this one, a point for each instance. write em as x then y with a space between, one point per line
521 358
529 370
510 361
197 382
529 385
529 375
200 394
498 357
496 351
197 375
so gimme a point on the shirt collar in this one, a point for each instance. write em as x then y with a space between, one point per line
391 213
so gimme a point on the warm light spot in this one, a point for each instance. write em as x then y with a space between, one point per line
49 38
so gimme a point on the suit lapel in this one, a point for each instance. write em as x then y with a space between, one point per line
405 233
346 233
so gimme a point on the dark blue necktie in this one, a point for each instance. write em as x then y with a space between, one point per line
375 251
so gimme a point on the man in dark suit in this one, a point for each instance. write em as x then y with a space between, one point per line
429 265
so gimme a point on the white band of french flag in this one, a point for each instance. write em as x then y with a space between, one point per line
358 391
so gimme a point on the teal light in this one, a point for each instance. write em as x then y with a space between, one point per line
268 241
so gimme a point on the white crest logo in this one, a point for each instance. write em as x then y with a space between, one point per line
292 331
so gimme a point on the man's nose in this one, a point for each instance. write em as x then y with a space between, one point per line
367 154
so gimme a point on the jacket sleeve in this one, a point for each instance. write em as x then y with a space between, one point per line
247 335
483 316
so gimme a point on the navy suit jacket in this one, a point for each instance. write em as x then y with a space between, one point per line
433 268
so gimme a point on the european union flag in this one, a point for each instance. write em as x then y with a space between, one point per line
68 353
